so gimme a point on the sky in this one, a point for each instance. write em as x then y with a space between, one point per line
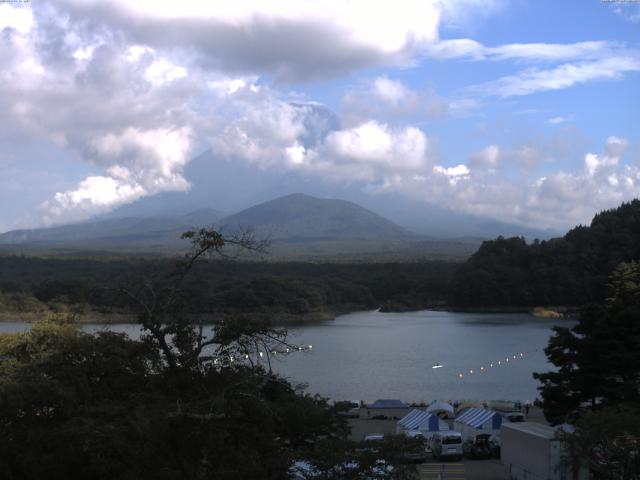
520 111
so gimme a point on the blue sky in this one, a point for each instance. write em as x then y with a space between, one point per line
524 112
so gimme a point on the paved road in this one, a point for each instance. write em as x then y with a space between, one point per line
442 471
465 470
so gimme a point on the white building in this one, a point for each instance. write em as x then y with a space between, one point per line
532 451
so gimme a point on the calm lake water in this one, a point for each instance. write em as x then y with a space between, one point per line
370 355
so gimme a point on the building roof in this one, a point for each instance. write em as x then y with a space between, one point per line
388 403
532 428
476 417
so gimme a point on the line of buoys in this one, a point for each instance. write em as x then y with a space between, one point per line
496 364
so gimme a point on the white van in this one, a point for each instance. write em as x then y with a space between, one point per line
447 444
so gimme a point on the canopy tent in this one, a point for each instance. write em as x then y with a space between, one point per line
424 422
441 407
475 421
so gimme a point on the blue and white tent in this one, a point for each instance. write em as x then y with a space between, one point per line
475 421
441 409
424 422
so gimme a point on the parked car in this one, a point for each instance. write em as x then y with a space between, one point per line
416 447
482 446
447 445
514 416
374 437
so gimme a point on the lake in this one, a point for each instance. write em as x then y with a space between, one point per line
370 355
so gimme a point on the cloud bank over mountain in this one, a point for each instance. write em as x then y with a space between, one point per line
133 90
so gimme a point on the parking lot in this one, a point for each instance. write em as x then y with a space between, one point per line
464 470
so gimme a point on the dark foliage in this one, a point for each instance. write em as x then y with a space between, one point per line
607 441
598 360
225 286
103 406
571 270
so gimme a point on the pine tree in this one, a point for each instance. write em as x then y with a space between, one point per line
598 360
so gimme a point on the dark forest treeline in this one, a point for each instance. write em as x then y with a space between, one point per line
571 270
285 290
567 271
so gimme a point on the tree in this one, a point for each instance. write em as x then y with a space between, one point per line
598 360
609 441
174 405
569 271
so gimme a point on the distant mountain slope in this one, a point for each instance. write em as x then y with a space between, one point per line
297 225
571 270
232 186
300 216
113 232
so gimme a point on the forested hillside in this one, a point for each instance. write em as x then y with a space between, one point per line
279 291
571 270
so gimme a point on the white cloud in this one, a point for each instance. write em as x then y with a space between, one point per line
293 40
629 11
525 157
162 71
559 119
614 149
535 80
132 95
385 98
390 90
558 199
141 163
366 152
578 63
616 146
465 14
454 174
19 19
485 158
116 107
374 144
257 126
93 195
465 48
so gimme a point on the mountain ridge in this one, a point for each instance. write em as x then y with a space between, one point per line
298 225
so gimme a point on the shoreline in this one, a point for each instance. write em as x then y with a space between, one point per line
289 319
96 318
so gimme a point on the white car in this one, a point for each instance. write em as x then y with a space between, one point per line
447 444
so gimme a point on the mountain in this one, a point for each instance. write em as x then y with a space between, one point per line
231 186
129 232
297 225
298 216
571 270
